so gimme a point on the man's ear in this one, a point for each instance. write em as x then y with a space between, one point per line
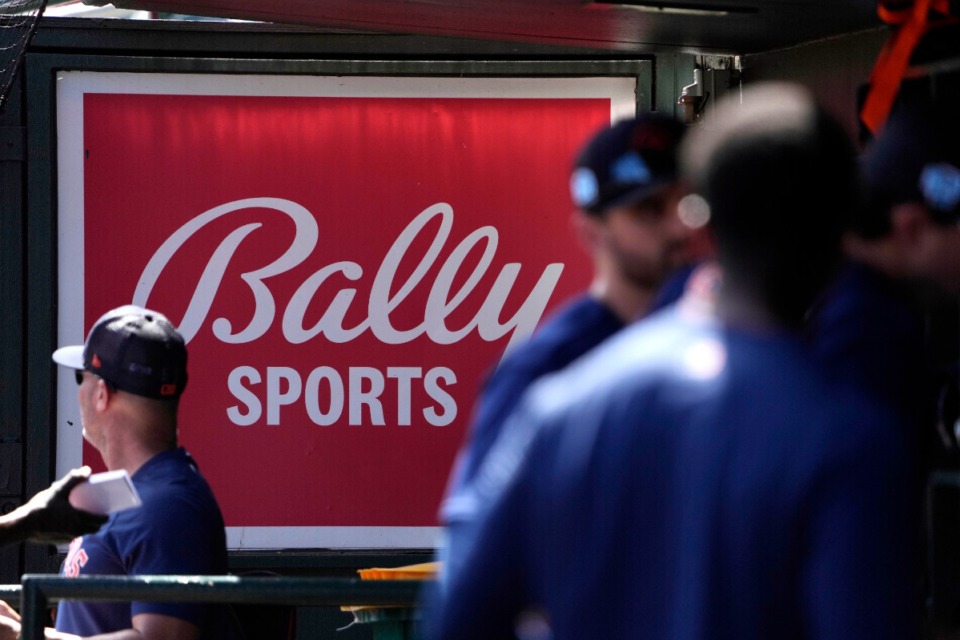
103 395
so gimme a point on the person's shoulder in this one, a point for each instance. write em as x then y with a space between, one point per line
636 379
172 480
583 315
575 328
876 299
644 355
651 342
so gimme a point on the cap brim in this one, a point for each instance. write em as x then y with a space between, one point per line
638 194
69 356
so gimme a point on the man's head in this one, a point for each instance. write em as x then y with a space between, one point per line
134 350
779 176
626 162
911 175
625 184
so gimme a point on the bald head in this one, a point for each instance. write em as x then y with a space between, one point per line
779 176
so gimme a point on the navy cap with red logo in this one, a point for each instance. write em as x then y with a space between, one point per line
134 349
626 162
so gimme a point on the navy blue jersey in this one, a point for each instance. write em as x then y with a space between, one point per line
577 327
868 330
686 480
177 530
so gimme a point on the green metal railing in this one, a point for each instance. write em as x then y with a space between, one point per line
38 591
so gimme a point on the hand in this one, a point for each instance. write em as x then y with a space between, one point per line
9 622
49 517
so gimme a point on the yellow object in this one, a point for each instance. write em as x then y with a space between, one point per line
424 571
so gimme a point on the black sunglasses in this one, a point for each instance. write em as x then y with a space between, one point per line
78 376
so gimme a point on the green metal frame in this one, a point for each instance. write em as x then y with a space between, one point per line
39 591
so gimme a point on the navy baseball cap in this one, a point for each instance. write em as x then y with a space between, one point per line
916 158
626 162
134 349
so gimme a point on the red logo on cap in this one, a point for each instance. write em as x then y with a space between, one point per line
95 361
168 389
654 136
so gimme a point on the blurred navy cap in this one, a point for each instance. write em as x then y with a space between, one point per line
916 158
626 162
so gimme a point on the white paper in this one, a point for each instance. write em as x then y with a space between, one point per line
105 492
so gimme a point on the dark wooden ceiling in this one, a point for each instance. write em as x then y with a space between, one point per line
697 26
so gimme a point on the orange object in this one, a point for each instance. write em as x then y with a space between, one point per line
424 571
911 23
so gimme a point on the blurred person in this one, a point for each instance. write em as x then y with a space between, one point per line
625 187
131 372
871 327
697 475
877 325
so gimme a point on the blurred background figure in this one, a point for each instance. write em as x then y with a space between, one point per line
625 187
872 326
697 475
889 322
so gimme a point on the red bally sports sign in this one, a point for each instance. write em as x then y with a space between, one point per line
346 258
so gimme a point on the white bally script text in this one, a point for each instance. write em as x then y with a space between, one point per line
328 394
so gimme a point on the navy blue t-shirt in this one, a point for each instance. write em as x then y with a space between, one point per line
686 480
574 329
177 530
868 330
